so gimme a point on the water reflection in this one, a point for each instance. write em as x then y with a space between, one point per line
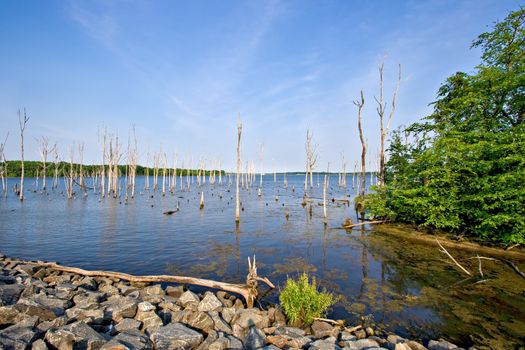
399 285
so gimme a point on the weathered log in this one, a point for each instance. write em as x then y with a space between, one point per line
248 291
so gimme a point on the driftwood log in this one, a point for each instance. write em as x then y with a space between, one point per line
364 223
248 291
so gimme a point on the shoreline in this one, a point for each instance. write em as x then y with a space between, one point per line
41 308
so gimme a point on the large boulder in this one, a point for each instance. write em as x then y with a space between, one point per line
118 308
210 303
9 293
247 318
254 339
188 299
129 340
176 336
76 335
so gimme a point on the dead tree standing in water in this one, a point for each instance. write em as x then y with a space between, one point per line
3 166
384 129
22 122
44 152
237 204
311 158
359 104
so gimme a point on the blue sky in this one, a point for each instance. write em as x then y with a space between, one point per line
181 72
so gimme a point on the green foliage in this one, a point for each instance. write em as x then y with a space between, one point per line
302 302
462 169
376 204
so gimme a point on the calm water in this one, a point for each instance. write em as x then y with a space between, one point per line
401 286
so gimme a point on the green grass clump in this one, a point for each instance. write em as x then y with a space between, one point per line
301 301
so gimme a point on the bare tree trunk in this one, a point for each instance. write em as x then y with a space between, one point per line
311 158
359 104
3 164
384 129
22 122
103 167
237 203
324 201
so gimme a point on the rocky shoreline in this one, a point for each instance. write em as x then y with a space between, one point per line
41 308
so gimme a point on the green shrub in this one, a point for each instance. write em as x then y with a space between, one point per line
302 302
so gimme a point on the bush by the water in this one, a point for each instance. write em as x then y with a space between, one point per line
302 302
462 168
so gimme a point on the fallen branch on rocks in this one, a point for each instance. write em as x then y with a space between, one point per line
340 323
353 329
248 291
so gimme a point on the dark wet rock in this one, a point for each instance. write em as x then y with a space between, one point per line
128 324
77 335
440 345
7 279
9 293
246 318
118 308
323 329
175 292
254 339
219 323
210 303
176 336
129 340
189 300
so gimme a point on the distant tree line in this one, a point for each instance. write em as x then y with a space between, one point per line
13 168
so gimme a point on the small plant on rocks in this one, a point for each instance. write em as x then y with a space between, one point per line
302 302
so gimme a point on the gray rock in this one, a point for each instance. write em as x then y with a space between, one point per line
18 336
440 345
155 289
175 291
109 289
58 306
55 323
169 305
235 343
212 337
254 339
189 300
150 320
210 303
202 321
322 344
118 308
269 347
88 300
220 324
86 283
127 324
145 307
176 336
9 293
7 279
77 335
131 339
290 331
363 344
228 313
346 336
8 315
39 345
220 344
324 329
92 316
247 318
31 308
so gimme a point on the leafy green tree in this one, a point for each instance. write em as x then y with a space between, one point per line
462 168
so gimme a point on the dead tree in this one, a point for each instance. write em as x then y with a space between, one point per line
45 150
261 155
81 180
359 104
237 203
3 165
311 158
132 162
381 107
22 121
